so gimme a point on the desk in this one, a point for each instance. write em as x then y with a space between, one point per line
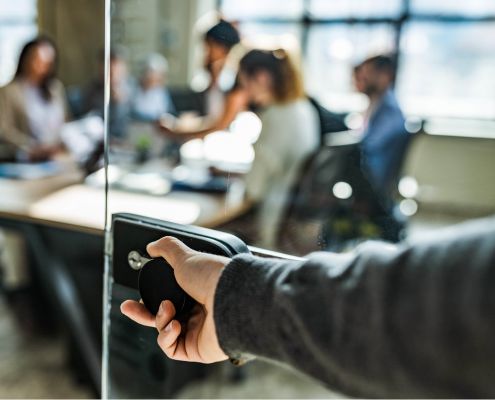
81 207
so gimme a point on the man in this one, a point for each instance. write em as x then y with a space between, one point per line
416 320
385 138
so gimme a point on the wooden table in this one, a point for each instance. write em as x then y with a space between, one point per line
65 202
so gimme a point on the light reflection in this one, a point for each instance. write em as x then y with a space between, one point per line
342 190
408 187
247 125
413 124
223 149
341 49
408 207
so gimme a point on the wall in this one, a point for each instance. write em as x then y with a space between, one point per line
455 175
78 28
165 26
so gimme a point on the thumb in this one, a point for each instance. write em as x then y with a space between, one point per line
197 273
171 249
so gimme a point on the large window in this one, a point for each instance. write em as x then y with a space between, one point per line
445 49
17 25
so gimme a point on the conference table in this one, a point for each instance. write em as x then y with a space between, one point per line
63 222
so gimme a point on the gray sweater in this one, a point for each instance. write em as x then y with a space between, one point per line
410 321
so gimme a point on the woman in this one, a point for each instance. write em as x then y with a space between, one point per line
290 133
33 105
223 101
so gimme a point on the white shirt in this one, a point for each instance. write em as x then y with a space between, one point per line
45 117
290 133
152 103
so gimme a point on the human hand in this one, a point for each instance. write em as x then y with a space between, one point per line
198 274
43 152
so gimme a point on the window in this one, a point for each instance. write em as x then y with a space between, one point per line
274 9
333 50
447 69
17 26
445 51
471 8
354 9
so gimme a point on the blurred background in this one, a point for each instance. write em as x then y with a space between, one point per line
407 85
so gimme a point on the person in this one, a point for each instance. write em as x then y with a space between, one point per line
121 89
224 98
33 105
414 320
151 98
385 137
290 133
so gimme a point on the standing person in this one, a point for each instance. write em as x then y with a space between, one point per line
33 105
385 138
290 133
151 98
223 98
409 321
218 42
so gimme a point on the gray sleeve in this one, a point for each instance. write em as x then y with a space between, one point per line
415 320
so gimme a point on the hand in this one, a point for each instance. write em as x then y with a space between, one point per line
198 274
43 152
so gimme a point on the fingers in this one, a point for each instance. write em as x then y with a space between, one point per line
138 313
169 340
171 249
165 314
169 333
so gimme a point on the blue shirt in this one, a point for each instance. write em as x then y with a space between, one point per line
384 144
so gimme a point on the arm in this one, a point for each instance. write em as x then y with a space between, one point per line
9 132
413 321
387 321
235 103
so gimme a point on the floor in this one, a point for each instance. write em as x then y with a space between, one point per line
33 367
37 368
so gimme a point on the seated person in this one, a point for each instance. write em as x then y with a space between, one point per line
222 100
384 135
120 94
151 98
290 133
33 105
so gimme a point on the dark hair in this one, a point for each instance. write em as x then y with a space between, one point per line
223 33
381 63
287 81
23 58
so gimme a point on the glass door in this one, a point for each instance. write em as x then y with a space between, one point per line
174 154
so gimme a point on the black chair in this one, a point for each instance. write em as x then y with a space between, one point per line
333 206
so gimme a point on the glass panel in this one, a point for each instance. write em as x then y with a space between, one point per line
355 9
266 172
473 8
277 9
178 177
332 52
447 70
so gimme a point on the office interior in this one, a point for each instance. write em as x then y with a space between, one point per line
61 333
